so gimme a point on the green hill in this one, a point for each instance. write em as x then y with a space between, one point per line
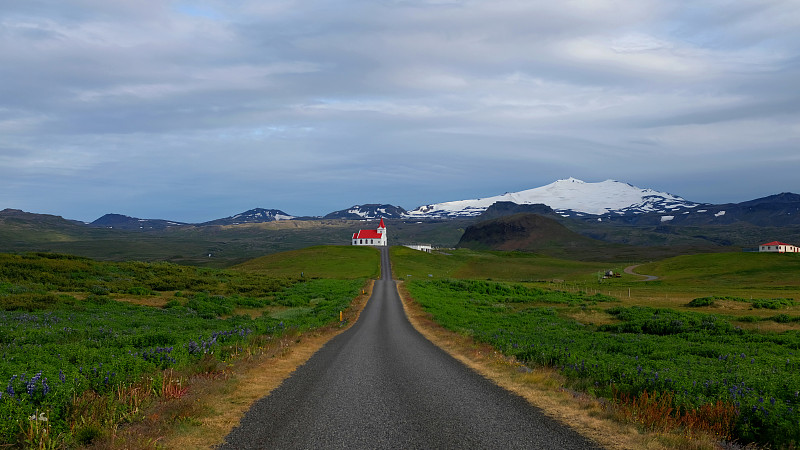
736 269
347 262
411 264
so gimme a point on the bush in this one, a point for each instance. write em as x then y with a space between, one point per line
172 304
33 302
138 290
210 306
703 301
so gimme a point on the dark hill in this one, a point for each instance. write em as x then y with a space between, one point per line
524 231
121 222
16 217
501 209
535 233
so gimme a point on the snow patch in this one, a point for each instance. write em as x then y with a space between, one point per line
719 214
666 218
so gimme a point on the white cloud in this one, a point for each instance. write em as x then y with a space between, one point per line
509 91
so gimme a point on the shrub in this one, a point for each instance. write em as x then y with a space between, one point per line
138 290
703 301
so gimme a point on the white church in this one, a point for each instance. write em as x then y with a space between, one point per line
371 237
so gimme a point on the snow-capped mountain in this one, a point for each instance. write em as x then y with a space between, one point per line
369 211
570 197
257 215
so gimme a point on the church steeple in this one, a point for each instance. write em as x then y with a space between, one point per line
382 230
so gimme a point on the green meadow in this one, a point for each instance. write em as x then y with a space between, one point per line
345 262
84 343
716 336
509 266
713 343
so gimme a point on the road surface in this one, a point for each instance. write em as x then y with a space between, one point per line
381 384
630 271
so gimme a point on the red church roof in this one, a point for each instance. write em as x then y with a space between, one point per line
370 234
367 234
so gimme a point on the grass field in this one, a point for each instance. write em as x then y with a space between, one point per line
728 366
513 266
345 262
72 325
745 276
85 345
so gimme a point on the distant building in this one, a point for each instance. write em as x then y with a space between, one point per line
778 247
421 247
371 237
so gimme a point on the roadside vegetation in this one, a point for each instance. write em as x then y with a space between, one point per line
87 347
711 348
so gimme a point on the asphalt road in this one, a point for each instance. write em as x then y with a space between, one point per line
381 384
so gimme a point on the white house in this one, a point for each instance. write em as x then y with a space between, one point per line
421 247
778 247
371 237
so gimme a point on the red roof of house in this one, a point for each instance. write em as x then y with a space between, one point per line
367 234
776 243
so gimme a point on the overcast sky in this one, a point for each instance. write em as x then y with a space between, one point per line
196 110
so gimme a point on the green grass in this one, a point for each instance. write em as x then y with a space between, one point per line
697 359
738 343
509 266
749 270
66 334
757 278
346 262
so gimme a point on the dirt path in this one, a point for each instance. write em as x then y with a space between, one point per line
630 271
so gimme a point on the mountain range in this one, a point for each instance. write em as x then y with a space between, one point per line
256 215
607 201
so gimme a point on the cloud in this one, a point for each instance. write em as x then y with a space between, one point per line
277 103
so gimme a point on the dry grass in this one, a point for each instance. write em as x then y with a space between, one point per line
769 327
543 388
592 316
200 410
153 302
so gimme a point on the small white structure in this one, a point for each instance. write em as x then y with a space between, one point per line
371 237
778 247
421 247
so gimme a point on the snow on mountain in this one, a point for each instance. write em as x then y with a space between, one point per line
567 197
368 211
257 215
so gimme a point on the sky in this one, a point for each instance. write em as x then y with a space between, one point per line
197 110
